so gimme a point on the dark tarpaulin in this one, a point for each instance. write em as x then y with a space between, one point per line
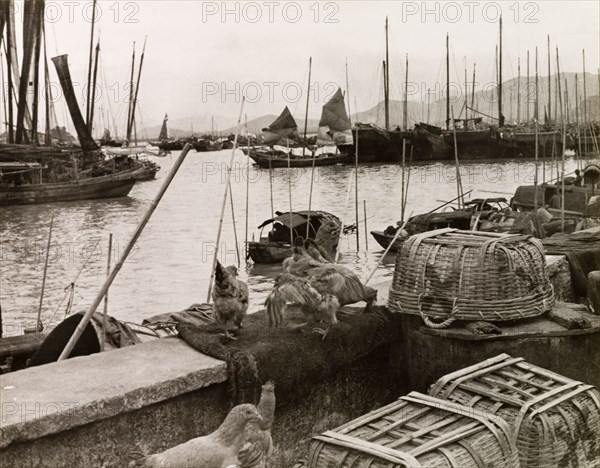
62 69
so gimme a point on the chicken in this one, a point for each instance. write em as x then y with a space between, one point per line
329 278
217 450
258 448
300 292
230 297
327 238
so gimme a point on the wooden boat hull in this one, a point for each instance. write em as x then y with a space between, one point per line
376 144
384 240
269 252
266 160
85 189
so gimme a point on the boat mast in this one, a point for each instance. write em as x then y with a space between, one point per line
36 72
94 81
466 97
348 94
500 116
89 78
127 129
585 114
473 89
9 66
536 111
5 108
428 103
527 90
307 101
577 118
355 161
405 110
447 82
549 116
29 33
518 90
386 78
137 89
48 139
560 103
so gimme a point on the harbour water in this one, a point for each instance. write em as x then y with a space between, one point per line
169 268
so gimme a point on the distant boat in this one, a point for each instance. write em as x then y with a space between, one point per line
109 186
477 209
276 245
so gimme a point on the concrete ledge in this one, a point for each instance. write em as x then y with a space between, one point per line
57 397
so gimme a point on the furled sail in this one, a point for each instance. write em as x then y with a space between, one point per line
282 131
334 126
164 131
62 69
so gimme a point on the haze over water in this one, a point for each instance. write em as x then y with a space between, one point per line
169 268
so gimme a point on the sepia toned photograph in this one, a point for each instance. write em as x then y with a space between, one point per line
300 234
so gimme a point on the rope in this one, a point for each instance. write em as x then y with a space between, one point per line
438 326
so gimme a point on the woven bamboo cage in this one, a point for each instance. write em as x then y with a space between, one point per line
555 421
462 275
417 431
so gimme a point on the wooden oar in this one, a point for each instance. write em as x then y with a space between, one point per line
389 247
88 315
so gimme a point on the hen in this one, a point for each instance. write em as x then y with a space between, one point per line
217 450
300 292
329 278
230 297
258 448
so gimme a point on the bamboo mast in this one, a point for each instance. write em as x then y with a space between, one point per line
560 103
447 82
405 104
237 245
402 199
585 113
94 81
466 97
314 155
518 90
355 159
386 74
473 89
137 89
549 85
307 102
36 75
48 130
224 203
128 248
289 174
89 78
366 228
562 176
577 122
459 189
500 116
247 186
9 66
128 128
337 253
39 314
527 88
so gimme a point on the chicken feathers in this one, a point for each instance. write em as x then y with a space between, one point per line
216 450
230 297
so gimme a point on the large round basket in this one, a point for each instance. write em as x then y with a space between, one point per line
452 275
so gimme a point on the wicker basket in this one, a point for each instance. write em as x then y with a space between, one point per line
555 421
417 431
449 274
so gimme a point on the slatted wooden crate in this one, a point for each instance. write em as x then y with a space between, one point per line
462 275
417 431
554 421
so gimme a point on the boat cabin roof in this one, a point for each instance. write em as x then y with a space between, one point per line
297 218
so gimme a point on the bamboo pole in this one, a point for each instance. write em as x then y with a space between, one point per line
562 195
366 229
585 113
105 312
39 314
398 232
337 252
314 155
224 204
356 191
247 187
307 102
289 174
88 315
235 236
459 190
535 175
402 204
271 188
89 77
409 168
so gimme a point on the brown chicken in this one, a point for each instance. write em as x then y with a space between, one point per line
258 449
217 450
300 292
230 297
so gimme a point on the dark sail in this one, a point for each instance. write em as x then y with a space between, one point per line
164 131
62 69
282 130
334 126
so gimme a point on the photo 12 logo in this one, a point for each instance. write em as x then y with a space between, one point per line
270 12
471 12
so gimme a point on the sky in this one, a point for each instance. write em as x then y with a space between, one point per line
202 56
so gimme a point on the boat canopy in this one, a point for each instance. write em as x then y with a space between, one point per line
335 126
297 218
